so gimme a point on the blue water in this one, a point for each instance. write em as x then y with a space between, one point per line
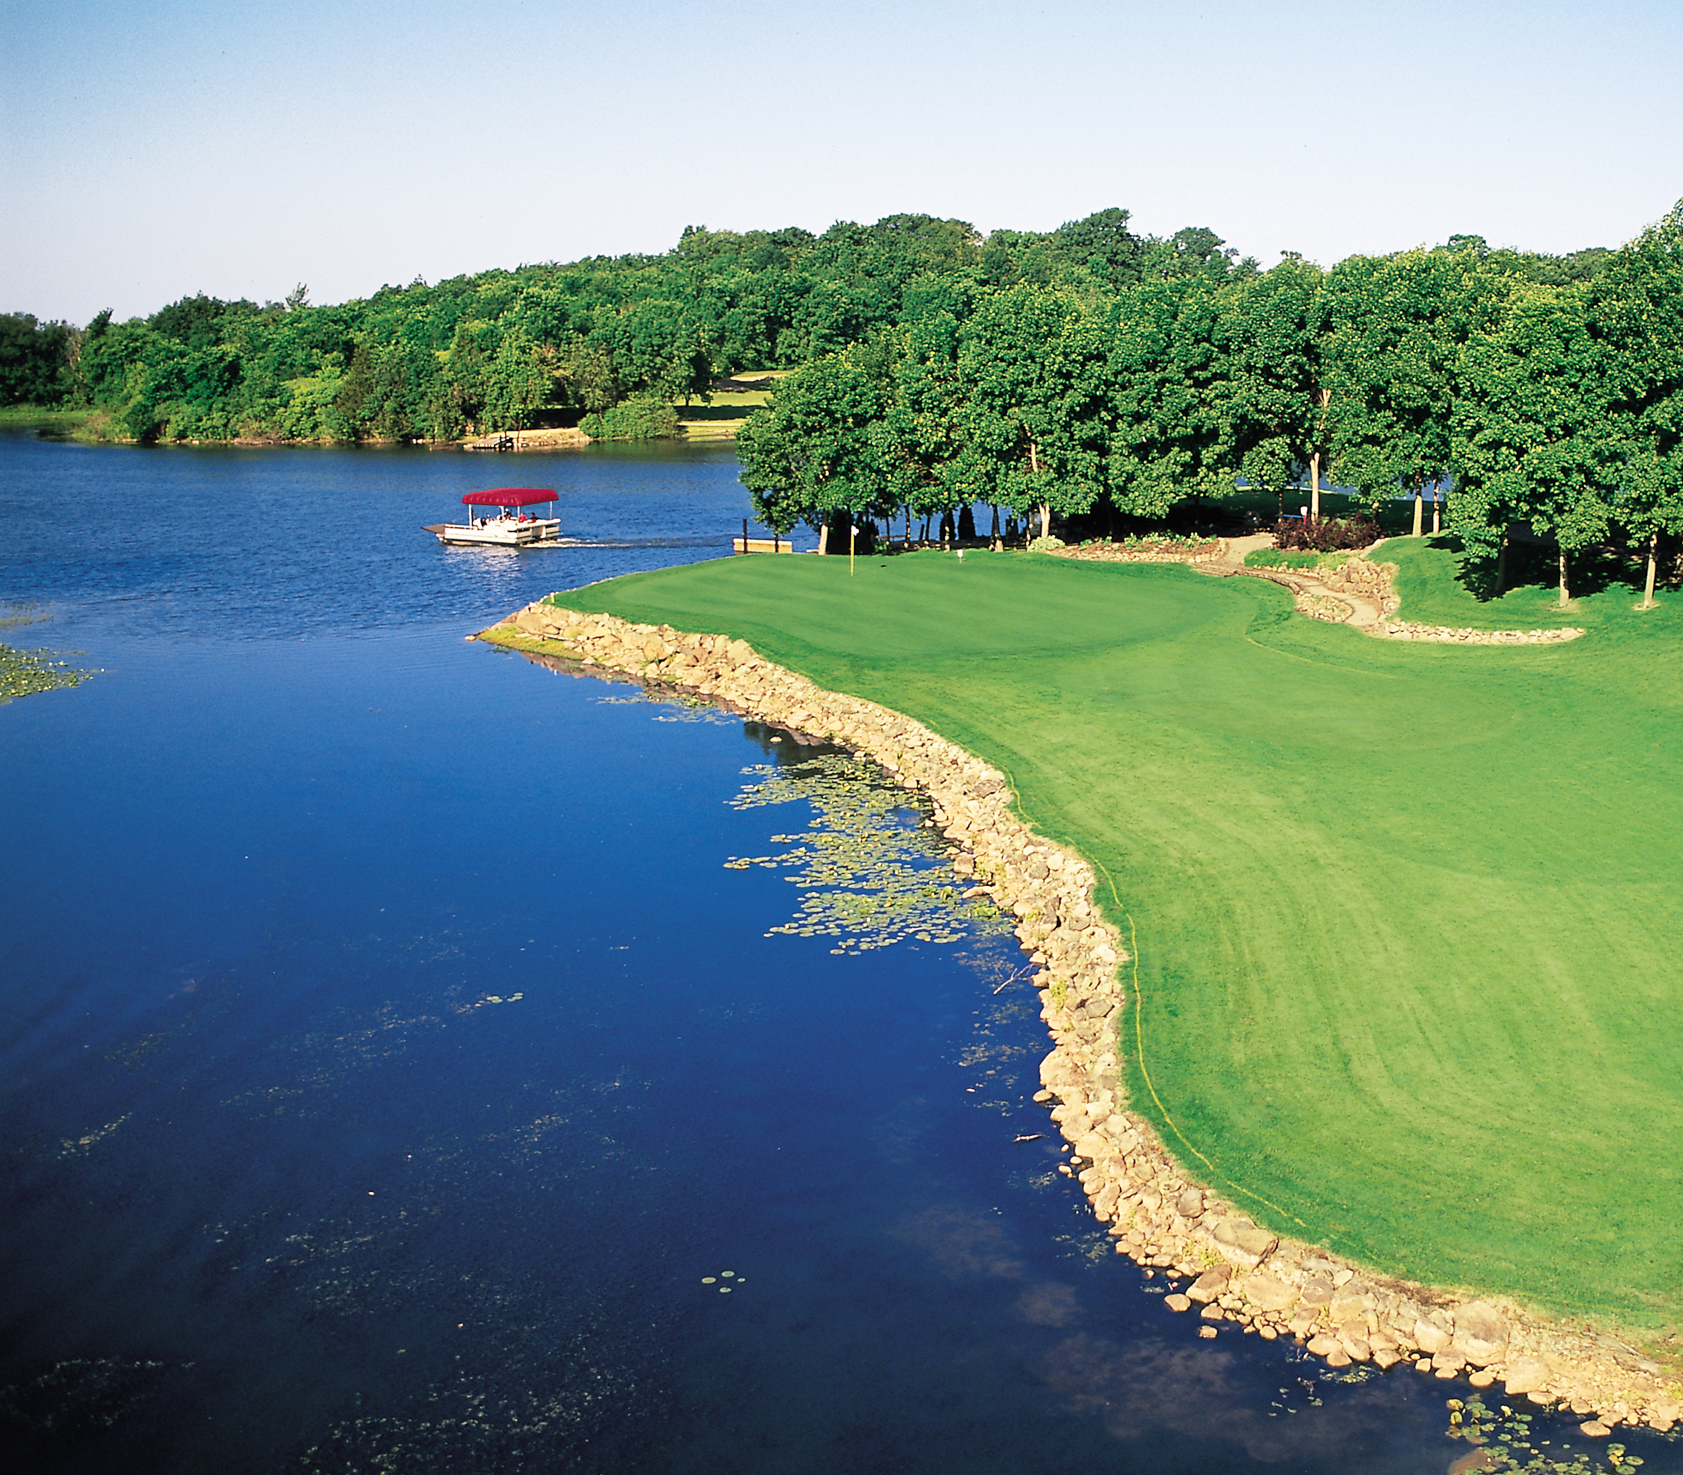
387 1055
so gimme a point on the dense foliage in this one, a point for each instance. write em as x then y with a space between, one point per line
550 343
1055 375
1544 393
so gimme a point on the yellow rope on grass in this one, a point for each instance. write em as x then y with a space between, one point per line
1145 1074
1139 1033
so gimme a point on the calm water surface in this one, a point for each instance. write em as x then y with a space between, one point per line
388 1056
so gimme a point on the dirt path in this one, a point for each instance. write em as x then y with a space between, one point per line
1313 595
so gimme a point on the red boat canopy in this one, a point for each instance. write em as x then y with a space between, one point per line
510 497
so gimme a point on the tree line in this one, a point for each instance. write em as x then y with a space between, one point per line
1048 373
1540 391
545 344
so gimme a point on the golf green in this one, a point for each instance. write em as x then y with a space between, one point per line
1406 915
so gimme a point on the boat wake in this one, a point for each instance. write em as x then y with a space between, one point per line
571 542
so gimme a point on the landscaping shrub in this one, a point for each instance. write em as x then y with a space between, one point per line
636 419
1328 535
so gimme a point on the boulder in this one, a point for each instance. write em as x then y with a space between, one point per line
1525 1374
1266 1293
1241 1242
1347 1303
1209 1285
1303 1321
1429 1335
1353 1339
1317 1291
1481 1335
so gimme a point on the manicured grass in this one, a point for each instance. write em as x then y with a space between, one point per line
28 417
1286 558
719 419
1406 915
1434 591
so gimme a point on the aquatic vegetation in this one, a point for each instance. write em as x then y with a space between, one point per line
1184 734
677 708
1505 1441
864 871
21 612
25 672
76 1400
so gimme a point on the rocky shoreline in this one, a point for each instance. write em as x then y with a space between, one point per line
1233 1273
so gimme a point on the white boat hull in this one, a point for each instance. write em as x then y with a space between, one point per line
499 532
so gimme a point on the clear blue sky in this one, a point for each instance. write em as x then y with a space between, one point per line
156 148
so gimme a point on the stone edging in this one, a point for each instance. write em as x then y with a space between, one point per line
1447 635
1319 594
1122 553
1235 1272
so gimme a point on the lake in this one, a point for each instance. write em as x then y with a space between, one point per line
415 1058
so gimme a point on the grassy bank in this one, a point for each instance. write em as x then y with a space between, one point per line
1404 914
722 416
91 423
1432 584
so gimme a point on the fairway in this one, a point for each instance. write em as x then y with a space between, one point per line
1406 915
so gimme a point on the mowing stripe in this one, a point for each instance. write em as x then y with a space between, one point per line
1139 1032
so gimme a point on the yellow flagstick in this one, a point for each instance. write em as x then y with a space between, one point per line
852 533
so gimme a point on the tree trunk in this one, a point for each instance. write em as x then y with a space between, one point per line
1419 510
1565 595
823 540
1045 507
1502 565
1653 560
1437 511
966 523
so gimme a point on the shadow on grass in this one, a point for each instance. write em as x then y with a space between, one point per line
1532 564
714 412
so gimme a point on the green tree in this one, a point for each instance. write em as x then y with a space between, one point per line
1277 399
1394 328
467 371
1102 245
518 382
1535 437
35 366
1013 386
810 453
919 440
1636 303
